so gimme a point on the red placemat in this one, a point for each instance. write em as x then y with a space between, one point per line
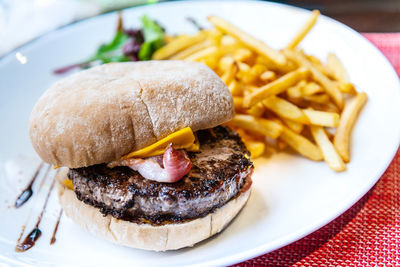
368 234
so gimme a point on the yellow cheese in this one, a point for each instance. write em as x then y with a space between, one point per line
182 139
68 183
195 146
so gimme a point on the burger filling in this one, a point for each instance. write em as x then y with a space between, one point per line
165 161
167 168
211 176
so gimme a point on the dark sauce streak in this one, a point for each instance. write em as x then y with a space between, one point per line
27 192
53 237
29 241
21 234
23 227
45 204
34 235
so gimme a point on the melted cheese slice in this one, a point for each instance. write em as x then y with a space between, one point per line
182 139
68 183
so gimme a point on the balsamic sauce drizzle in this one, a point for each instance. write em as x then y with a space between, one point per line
34 235
27 192
53 237
23 227
21 234
29 240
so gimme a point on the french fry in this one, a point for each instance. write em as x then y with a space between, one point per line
243 66
179 43
238 104
242 54
190 50
258 69
329 152
254 73
211 51
298 101
285 109
228 40
268 63
288 67
301 144
244 70
215 36
211 62
225 63
349 115
236 89
268 76
311 88
229 45
330 87
303 88
322 118
337 68
256 110
253 43
328 107
276 87
295 126
320 98
249 89
318 64
296 91
256 148
304 30
346 87
229 75
259 126
248 136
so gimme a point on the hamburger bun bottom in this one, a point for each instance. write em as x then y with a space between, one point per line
146 236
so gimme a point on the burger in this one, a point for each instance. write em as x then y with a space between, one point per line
144 159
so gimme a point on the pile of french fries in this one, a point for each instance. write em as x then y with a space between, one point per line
281 98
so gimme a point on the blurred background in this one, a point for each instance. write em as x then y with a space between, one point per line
24 20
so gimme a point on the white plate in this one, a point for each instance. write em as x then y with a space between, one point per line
291 197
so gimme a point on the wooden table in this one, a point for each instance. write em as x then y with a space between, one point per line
361 15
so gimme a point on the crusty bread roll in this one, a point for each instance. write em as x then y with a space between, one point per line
100 114
146 236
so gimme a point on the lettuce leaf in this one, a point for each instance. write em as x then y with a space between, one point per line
112 52
153 38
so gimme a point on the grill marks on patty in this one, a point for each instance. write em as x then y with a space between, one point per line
219 171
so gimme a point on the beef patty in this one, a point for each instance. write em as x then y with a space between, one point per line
219 170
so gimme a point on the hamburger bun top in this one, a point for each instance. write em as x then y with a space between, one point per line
100 114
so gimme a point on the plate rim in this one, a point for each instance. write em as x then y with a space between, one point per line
294 236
